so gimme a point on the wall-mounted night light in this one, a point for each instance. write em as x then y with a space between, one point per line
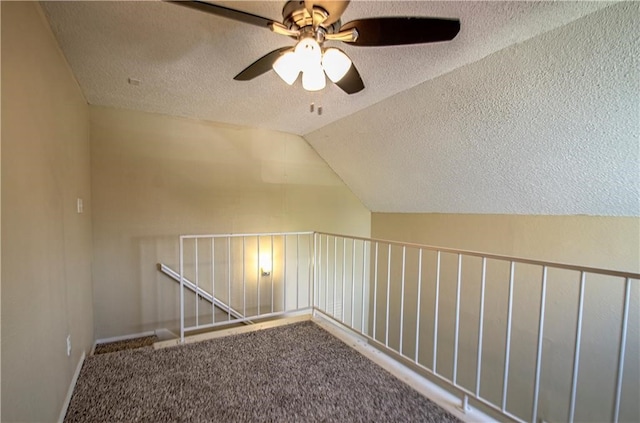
265 264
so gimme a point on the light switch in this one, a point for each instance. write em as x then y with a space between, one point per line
80 205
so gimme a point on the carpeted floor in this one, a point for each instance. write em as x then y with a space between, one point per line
129 344
293 373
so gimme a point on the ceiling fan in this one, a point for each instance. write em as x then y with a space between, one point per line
312 23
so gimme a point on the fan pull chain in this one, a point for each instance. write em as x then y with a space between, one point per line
312 108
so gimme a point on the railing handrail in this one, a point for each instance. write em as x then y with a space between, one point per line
574 267
203 293
236 235
493 256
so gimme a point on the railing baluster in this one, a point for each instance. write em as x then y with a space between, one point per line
536 384
386 334
435 316
213 282
284 283
621 352
318 267
404 255
375 291
364 284
197 286
335 273
353 280
273 268
507 352
297 271
457 323
229 278
312 292
418 305
244 280
326 296
576 355
344 275
181 290
481 325
259 276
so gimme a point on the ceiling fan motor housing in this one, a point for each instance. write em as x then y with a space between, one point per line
312 22
297 17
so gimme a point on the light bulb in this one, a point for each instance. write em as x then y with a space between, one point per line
335 63
313 78
265 264
309 53
287 67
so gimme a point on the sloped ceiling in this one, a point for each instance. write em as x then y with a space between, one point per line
518 114
549 126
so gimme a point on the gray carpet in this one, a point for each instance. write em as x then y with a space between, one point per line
294 373
129 344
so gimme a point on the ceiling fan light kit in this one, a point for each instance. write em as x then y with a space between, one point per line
307 57
311 23
313 79
335 63
287 67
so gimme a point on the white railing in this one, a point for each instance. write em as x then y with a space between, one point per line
199 292
528 340
255 276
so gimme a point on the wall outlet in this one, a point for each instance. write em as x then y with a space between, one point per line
68 345
80 205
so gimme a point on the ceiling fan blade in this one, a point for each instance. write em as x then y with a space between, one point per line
226 12
335 8
395 31
351 83
260 66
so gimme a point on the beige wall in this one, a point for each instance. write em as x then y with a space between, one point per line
610 242
155 177
46 277
147 178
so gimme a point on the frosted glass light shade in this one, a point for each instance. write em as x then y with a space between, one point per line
287 67
309 53
313 78
335 63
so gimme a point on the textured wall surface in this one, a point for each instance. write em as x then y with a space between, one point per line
156 177
46 245
549 126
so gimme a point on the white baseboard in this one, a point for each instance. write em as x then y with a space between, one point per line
72 386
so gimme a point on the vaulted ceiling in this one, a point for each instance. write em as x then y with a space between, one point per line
532 109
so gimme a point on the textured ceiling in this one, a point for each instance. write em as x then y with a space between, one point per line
186 60
549 126
532 109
